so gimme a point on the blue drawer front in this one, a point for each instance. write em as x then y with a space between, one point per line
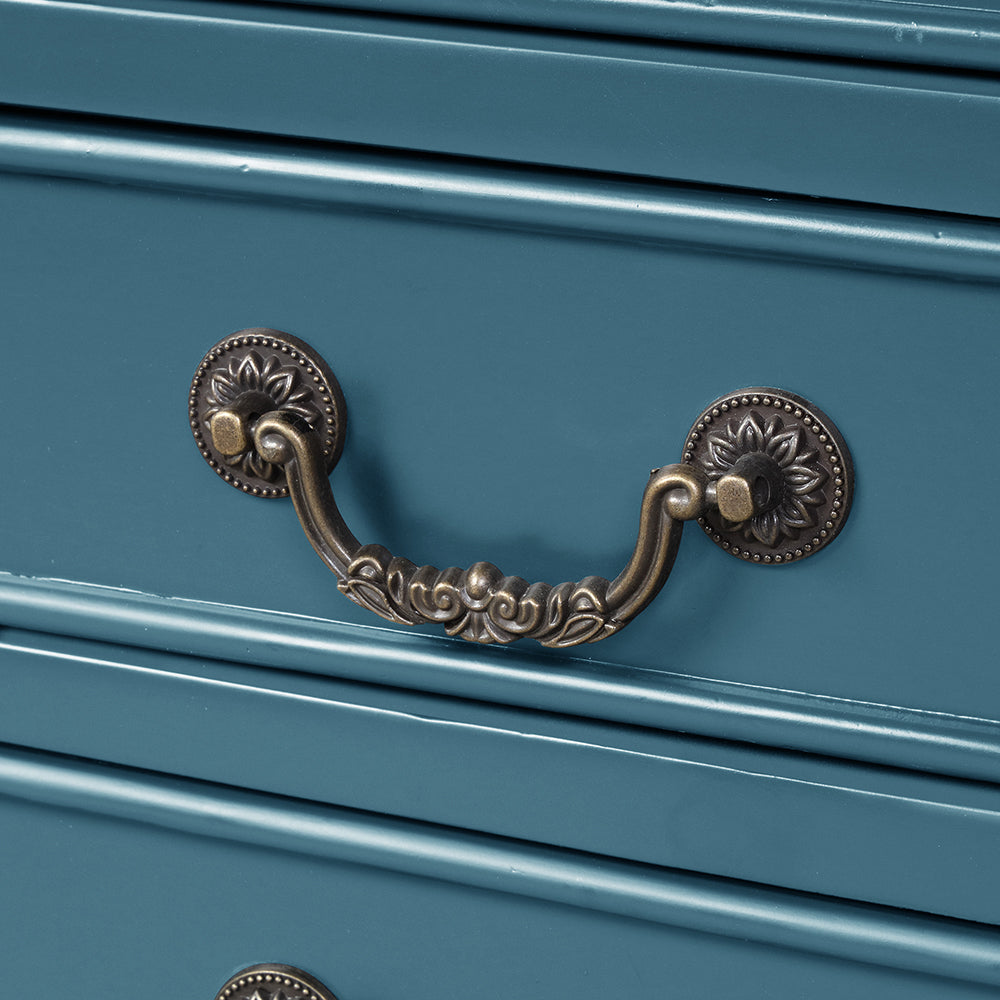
508 392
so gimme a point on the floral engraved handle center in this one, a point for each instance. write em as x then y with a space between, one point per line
797 467
244 390
480 603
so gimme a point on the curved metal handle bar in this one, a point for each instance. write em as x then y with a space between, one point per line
765 472
481 603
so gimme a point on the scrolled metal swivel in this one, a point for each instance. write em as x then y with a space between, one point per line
764 472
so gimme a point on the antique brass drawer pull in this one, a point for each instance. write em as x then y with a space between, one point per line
765 473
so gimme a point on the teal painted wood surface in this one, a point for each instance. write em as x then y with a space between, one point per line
946 34
573 203
860 130
791 820
168 878
935 742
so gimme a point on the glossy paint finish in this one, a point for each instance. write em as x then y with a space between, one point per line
960 746
753 814
488 194
814 127
946 34
344 854
138 895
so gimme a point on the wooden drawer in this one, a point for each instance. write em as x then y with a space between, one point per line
508 391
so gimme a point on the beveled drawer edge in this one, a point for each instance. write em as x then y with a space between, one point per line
650 797
857 932
722 116
576 203
948 36
909 738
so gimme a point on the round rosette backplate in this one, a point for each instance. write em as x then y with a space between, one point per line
259 371
810 461
273 982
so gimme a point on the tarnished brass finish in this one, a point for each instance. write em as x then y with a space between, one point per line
793 460
252 373
762 472
481 603
273 982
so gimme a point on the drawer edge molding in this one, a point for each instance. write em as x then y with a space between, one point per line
893 31
898 736
816 126
482 193
946 947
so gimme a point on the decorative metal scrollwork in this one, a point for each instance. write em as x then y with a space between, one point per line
765 473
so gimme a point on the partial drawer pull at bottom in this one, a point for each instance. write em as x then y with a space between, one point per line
273 982
764 472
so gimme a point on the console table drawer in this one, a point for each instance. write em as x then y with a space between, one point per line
530 254
531 378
